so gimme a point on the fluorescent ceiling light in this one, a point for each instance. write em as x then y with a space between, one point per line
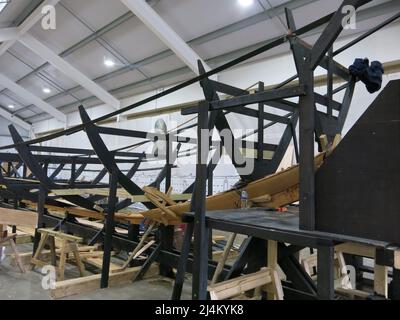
11 106
109 63
246 3
3 4
46 90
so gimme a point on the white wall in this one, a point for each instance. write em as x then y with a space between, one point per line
382 46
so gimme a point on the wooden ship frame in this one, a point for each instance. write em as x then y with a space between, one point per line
284 234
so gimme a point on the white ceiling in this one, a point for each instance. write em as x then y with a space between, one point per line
131 42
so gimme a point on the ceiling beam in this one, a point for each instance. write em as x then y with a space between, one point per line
73 73
14 119
27 24
30 97
160 28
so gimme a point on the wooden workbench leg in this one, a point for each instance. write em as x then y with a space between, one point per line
325 275
78 260
63 258
381 280
272 261
224 257
344 277
17 257
40 247
277 285
53 251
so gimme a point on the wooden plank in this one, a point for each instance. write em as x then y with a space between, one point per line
86 284
227 289
357 249
98 263
397 260
352 293
18 218
61 235
224 257
16 255
381 280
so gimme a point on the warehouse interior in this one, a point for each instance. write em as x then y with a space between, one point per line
199 150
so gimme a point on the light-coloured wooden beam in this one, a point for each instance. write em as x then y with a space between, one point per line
18 218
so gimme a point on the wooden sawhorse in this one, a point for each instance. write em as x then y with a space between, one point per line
69 244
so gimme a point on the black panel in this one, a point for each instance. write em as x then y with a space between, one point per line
358 186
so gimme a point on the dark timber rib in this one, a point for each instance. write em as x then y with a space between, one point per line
33 165
107 158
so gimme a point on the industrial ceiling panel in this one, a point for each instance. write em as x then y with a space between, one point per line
12 11
34 109
192 18
90 60
26 114
36 84
134 40
29 57
163 65
64 81
62 101
82 94
12 67
97 13
68 31
123 80
318 9
143 87
174 80
259 32
8 99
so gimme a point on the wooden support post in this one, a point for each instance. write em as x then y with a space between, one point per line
224 257
41 211
260 149
395 285
109 229
181 270
73 172
306 167
381 280
14 228
63 259
272 262
330 81
325 272
168 163
167 244
200 266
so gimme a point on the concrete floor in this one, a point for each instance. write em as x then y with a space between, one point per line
17 286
